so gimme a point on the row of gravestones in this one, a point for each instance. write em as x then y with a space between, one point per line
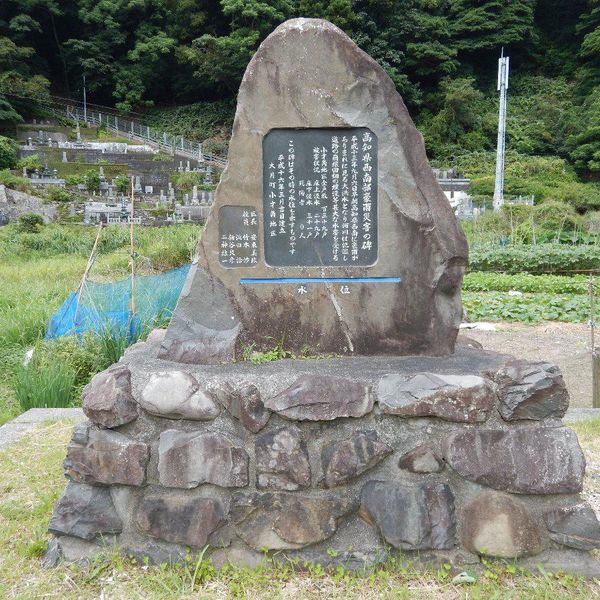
475 463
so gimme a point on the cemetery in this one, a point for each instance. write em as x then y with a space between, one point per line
325 365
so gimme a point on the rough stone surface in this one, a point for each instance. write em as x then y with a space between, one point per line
411 518
580 564
461 398
546 460
421 459
499 525
177 395
245 404
180 519
575 526
105 457
282 460
204 328
531 391
345 460
281 521
308 73
85 511
188 459
107 399
322 398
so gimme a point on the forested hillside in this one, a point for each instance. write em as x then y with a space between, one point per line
182 60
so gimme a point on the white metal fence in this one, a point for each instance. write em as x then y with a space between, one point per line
176 145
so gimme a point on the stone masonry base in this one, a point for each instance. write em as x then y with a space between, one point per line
336 460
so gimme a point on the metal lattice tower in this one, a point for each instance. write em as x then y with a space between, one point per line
503 89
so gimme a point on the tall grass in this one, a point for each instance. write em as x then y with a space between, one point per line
110 343
37 272
44 386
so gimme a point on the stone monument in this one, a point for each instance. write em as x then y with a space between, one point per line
328 232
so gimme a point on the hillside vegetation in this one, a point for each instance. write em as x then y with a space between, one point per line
180 63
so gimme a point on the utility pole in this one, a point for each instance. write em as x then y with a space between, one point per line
502 88
84 102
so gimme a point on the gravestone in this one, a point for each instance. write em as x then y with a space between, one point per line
358 251
344 459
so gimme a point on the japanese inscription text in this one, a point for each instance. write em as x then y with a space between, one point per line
320 197
238 236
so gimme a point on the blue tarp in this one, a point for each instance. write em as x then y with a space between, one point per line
106 305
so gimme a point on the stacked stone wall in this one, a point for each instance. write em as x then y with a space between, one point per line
332 460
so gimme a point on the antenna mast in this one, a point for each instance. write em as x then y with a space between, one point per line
502 88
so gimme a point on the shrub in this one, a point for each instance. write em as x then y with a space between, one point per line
8 153
187 180
122 183
31 163
14 182
31 222
58 194
92 181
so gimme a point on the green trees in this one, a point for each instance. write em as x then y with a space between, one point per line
220 60
441 55
484 26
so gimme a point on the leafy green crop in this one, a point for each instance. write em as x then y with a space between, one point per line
540 258
525 282
528 308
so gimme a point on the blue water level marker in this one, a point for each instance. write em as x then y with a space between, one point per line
250 280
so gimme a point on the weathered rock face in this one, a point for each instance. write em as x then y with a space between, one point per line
245 404
308 74
315 398
107 399
85 511
421 459
286 521
545 460
105 457
531 391
180 519
574 526
498 525
411 518
461 398
343 461
282 460
185 460
177 395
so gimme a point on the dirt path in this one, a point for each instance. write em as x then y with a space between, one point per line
565 344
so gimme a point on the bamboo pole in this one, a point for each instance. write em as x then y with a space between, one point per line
595 353
88 267
132 251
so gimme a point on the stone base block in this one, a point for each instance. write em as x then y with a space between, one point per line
333 461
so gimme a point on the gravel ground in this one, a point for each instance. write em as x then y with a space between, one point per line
565 344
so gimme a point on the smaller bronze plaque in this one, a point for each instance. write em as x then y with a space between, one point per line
238 236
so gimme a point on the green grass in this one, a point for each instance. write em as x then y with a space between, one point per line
33 480
72 169
38 271
45 385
